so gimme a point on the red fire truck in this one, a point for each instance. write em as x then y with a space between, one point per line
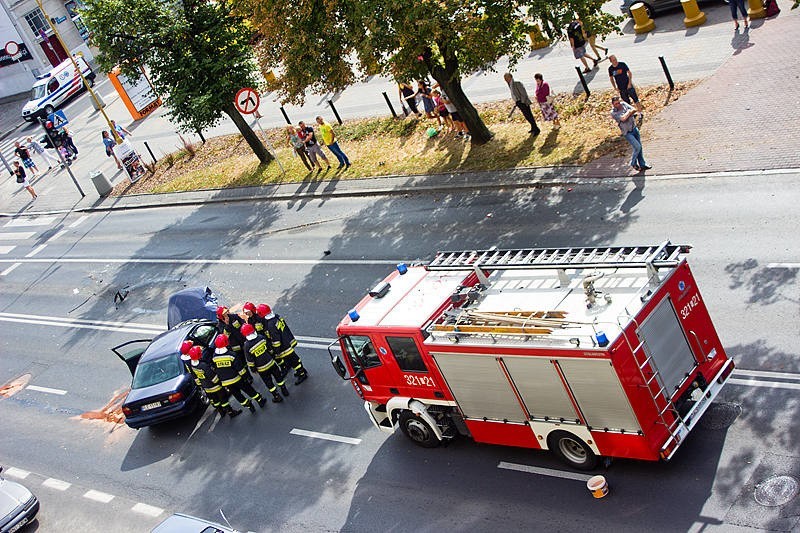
586 352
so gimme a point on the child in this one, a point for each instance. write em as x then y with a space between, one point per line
441 112
22 179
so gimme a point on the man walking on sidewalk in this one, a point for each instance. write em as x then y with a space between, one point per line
522 101
624 114
35 146
622 80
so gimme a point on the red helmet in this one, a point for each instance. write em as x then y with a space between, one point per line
249 306
263 310
195 353
186 346
221 310
248 329
221 341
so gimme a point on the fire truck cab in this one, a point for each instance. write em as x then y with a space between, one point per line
586 352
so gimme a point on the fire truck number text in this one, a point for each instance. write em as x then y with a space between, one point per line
419 381
691 304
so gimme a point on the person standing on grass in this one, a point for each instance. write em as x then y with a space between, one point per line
22 179
522 101
329 138
424 92
407 96
35 146
299 147
622 80
458 123
545 100
109 144
23 153
306 133
624 114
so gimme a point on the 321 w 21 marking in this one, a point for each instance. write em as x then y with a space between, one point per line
691 304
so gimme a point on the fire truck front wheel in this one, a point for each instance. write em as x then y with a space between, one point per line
572 450
418 430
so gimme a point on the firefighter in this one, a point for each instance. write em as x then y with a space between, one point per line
259 355
229 324
252 318
283 342
230 374
207 378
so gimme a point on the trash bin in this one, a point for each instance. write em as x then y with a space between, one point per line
101 183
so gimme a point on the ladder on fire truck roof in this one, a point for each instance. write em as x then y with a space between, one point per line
651 257
502 323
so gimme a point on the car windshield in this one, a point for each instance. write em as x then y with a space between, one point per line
156 371
38 91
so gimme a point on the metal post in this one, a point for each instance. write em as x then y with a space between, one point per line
583 81
666 73
5 163
151 152
336 113
285 116
389 103
61 158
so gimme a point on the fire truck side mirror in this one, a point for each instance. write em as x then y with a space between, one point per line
336 361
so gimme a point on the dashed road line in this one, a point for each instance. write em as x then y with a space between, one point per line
96 495
81 220
783 265
46 389
36 250
543 471
149 510
10 269
56 484
16 472
767 384
325 436
59 234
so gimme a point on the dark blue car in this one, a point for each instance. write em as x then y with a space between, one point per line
162 388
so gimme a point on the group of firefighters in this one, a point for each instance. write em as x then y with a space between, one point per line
259 340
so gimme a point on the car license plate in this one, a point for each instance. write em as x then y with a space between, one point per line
151 406
16 527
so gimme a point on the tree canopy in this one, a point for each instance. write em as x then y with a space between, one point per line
198 53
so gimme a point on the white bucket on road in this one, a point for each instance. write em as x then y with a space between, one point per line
598 486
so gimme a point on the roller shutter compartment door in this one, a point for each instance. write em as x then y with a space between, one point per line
540 387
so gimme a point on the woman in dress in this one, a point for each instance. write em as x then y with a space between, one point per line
544 100
109 143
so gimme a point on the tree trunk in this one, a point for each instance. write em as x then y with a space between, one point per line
249 135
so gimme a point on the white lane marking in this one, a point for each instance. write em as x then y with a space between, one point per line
57 484
543 471
324 436
149 510
767 384
38 221
783 265
158 261
98 496
36 250
765 374
16 472
6 249
118 329
75 224
10 269
16 235
59 234
46 389
319 339
154 327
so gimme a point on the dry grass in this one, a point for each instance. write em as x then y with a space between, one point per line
385 146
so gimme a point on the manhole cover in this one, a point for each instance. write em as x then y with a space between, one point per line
776 491
720 415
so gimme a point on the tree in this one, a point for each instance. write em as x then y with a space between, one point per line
197 51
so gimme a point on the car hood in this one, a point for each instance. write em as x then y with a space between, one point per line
191 303
12 495
155 391
30 106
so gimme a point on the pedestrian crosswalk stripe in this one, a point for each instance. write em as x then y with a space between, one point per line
36 250
98 496
16 235
57 484
16 472
6 249
10 269
29 221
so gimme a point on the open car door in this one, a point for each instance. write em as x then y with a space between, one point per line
191 303
130 352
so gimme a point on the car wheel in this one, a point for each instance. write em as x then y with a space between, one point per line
90 81
418 430
48 110
572 450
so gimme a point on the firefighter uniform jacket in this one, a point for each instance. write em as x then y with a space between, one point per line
229 367
231 329
206 376
283 341
259 353
259 323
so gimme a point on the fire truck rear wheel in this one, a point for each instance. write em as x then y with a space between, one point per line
416 429
572 450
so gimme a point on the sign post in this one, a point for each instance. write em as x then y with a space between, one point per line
247 102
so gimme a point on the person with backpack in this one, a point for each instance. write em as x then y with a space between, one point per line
577 41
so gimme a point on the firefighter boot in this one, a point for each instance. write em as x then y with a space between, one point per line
276 398
284 390
300 376
233 413
249 405
261 401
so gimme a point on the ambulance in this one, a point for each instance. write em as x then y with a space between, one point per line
55 87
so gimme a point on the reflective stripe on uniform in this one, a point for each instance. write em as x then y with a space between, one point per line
213 389
232 381
262 368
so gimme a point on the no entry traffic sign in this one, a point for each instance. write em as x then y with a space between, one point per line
12 48
246 101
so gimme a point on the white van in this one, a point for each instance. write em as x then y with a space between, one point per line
54 88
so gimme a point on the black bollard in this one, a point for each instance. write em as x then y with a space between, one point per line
151 152
583 81
666 73
285 116
335 113
389 103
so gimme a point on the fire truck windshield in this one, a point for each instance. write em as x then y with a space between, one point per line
361 355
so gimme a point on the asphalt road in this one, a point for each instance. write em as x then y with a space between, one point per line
60 319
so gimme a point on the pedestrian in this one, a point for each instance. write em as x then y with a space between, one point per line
577 41
424 93
522 101
588 24
22 179
739 6
206 377
329 138
283 343
545 100
455 116
35 146
229 369
306 133
625 114
122 132
66 136
622 80
442 114
261 358
230 325
299 147
109 144
407 96
23 153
